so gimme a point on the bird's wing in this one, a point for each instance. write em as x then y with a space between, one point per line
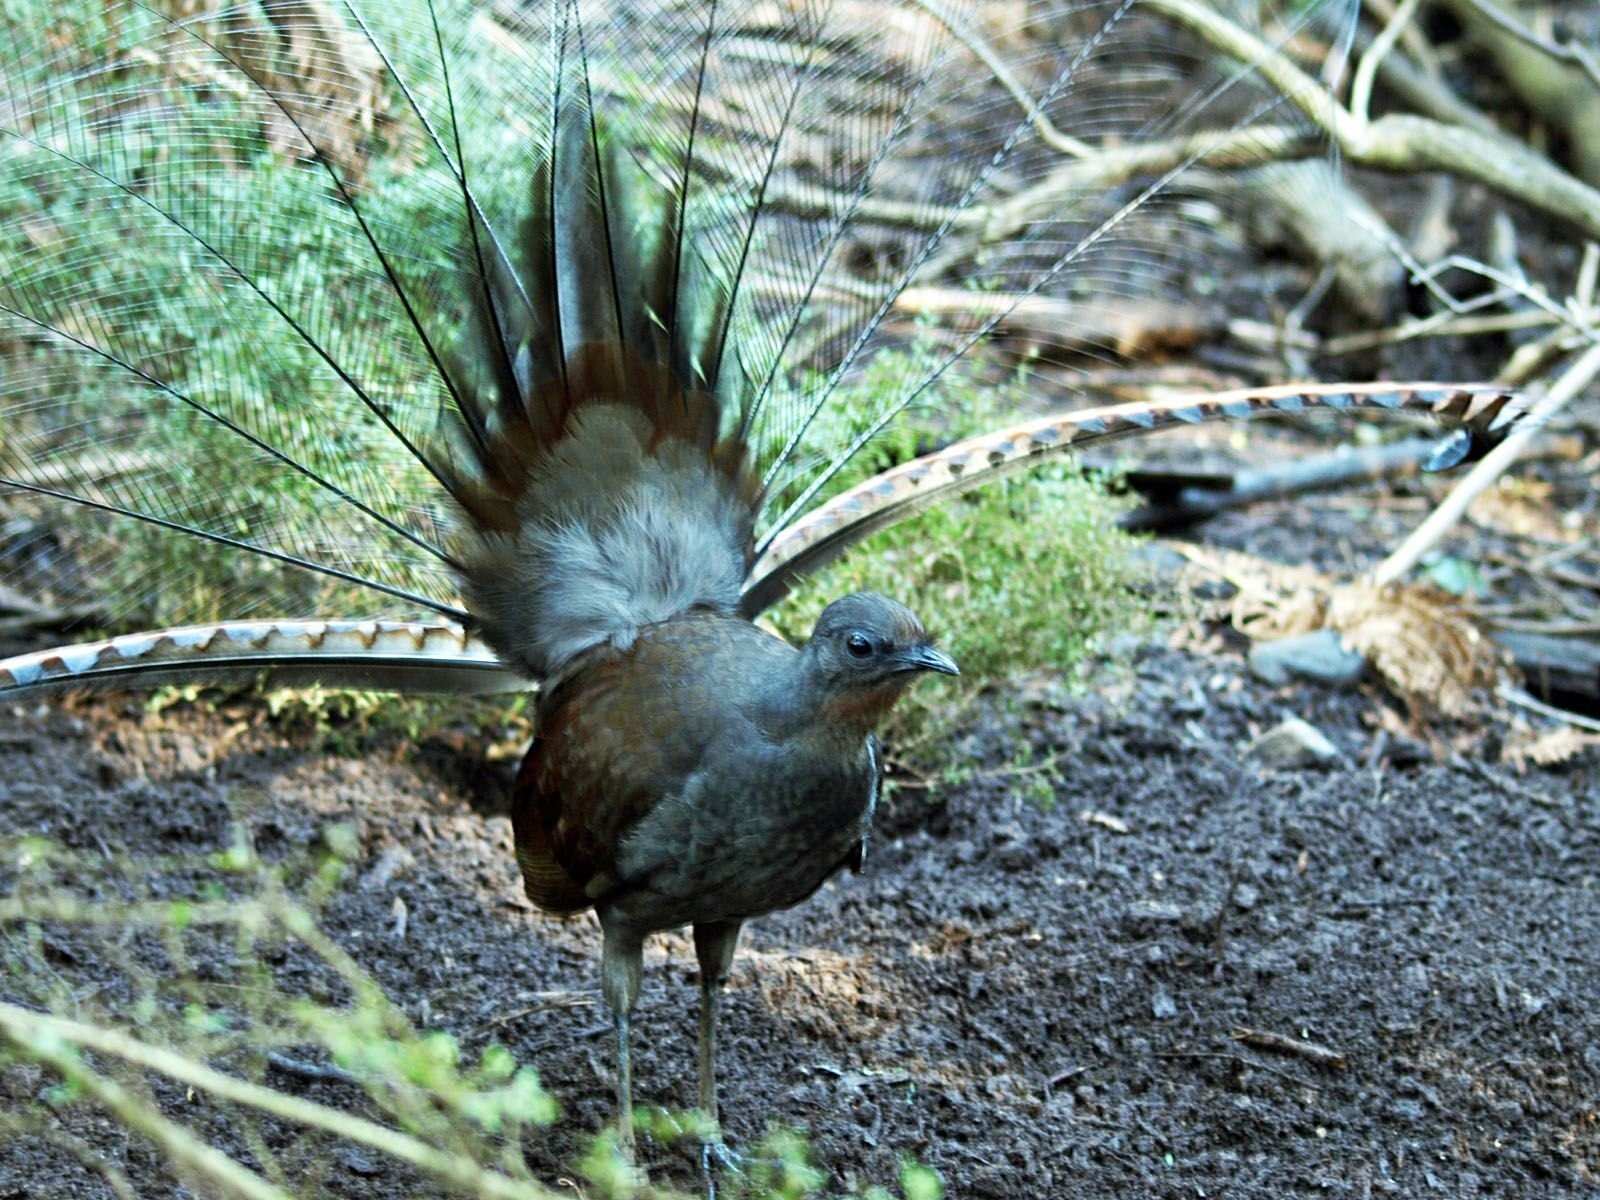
616 739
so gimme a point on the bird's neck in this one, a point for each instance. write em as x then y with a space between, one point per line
807 704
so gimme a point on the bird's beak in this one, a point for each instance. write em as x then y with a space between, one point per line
926 658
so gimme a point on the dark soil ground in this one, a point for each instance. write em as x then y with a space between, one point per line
1037 1000
1077 997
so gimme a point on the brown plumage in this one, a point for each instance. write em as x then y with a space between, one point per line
705 774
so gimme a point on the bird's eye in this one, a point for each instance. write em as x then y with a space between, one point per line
858 645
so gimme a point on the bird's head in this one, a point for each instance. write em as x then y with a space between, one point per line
863 652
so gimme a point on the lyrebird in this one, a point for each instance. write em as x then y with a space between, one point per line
550 320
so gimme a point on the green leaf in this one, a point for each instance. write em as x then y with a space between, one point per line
919 1182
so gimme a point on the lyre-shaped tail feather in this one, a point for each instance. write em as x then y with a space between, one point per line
427 658
385 656
1479 414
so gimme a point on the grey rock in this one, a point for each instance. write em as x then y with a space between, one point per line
1320 656
1153 912
1294 743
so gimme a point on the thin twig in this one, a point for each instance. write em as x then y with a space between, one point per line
969 37
1491 467
1521 699
1417 44
1316 1052
1440 324
1516 284
1367 68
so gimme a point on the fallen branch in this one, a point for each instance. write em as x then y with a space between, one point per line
1554 665
1400 142
1190 502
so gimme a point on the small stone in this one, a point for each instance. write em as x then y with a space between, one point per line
1153 912
1294 743
1320 656
356 1162
1162 1006
1410 1111
1105 820
1158 559
392 862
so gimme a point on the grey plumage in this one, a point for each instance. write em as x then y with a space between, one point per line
586 565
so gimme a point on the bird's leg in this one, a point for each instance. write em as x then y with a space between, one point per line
619 982
713 947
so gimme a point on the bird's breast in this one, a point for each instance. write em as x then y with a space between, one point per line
752 832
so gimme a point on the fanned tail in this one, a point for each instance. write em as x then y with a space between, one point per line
599 490
553 319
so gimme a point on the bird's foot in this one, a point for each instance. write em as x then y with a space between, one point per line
717 1156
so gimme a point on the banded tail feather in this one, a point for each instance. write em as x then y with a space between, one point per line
1478 416
396 656
415 657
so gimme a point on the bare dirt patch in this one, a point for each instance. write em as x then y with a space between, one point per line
1033 1002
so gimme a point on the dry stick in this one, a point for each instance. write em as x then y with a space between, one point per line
1264 1039
1521 699
37 1040
1193 502
1570 52
1399 142
1423 90
985 53
1422 539
1556 95
1416 41
1367 68
37 1035
1440 324
72 909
